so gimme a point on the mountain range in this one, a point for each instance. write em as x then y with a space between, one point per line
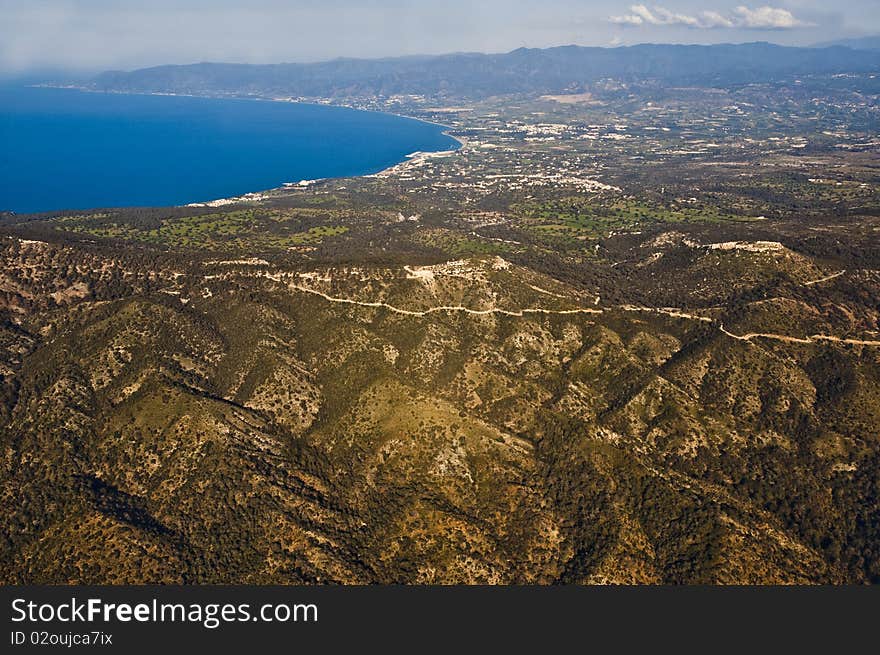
859 43
471 75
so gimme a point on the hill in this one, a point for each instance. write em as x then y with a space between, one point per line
860 43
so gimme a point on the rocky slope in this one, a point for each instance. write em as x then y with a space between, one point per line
472 421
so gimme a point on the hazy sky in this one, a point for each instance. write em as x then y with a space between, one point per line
91 35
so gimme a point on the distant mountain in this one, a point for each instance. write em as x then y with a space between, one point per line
863 43
469 75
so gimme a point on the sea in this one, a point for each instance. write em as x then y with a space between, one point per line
66 149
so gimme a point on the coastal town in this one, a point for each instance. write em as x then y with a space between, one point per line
603 141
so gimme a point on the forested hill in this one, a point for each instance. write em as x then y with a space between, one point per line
480 75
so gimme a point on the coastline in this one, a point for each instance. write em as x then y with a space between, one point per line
263 194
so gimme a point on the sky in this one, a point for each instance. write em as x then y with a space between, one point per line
95 35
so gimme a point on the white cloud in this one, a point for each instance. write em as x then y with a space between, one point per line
715 19
760 18
667 17
626 19
767 18
641 15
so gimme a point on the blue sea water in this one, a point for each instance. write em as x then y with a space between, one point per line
67 149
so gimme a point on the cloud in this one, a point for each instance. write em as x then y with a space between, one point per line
760 18
767 18
714 19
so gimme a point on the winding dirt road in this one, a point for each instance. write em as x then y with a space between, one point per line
827 278
666 311
445 308
813 338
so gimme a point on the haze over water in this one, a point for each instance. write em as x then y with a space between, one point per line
66 149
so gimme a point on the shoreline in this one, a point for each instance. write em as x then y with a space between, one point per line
258 195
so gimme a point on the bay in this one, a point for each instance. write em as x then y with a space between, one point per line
69 149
